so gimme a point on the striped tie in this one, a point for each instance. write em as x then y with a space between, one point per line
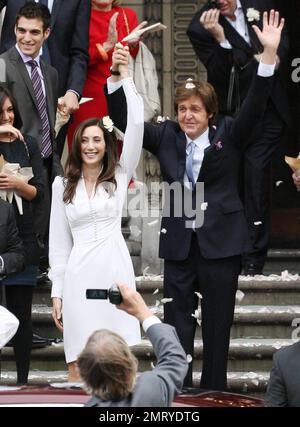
41 102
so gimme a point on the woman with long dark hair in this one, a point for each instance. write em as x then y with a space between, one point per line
24 151
87 249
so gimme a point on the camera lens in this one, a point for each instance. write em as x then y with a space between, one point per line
114 295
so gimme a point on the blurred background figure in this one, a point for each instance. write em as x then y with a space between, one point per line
109 24
66 49
108 367
27 187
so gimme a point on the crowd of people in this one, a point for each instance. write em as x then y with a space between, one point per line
58 52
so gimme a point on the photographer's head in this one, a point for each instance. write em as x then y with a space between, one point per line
107 366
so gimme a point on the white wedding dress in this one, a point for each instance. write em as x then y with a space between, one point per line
87 249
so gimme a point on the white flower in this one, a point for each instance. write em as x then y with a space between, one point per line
108 123
253 14
189 84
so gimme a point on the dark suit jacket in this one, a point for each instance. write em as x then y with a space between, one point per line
68 42
219 61
19 82
158 387
11 248
224 232
284 384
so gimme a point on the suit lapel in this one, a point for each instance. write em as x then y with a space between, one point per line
253 37
54 13
234 38
181 151
21 68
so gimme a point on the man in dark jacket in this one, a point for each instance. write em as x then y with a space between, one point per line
226 44
204 258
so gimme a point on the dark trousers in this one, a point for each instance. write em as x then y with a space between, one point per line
257 182
216 280
42 215
19 302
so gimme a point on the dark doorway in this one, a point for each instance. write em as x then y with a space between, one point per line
285 198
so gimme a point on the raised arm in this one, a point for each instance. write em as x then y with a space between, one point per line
255 103
133 139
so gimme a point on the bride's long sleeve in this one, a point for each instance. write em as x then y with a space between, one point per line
133 139
60 239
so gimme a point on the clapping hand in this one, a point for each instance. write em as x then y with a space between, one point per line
210 21
112 36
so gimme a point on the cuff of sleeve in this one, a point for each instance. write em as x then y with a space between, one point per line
152 320
113 86
74 91
266 70
226 45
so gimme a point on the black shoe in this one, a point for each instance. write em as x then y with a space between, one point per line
40 342
42 277
252 270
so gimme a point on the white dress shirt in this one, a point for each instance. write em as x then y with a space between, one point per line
201 143
26 59
239 25
50 4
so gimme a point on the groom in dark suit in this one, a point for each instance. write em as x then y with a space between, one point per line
226 44
67 46
204 258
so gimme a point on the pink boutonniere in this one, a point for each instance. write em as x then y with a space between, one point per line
218 145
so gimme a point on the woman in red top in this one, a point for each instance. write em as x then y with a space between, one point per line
109 24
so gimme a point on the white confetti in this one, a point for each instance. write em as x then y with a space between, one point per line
155 292
278 183
204 206
166 300
163 231
257 223
196 314
199 322
255 382
198 295
239 295
152 223
135 231
152 365
145 271
157 303
189 358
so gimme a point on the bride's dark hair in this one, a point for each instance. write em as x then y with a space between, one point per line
73 168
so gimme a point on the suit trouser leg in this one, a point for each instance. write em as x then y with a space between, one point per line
257 173
42 217
180 284
217 280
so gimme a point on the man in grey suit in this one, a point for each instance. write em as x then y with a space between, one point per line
108 368
284 384
32 29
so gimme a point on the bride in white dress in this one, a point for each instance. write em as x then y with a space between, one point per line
86 248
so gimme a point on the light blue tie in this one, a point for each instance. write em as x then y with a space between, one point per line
189 163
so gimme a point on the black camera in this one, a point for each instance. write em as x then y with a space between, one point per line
213 4
113 294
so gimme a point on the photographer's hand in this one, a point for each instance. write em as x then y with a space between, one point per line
133 303
56 313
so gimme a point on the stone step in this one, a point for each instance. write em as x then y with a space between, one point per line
251 383
244 355
249 321
282 259
268 290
